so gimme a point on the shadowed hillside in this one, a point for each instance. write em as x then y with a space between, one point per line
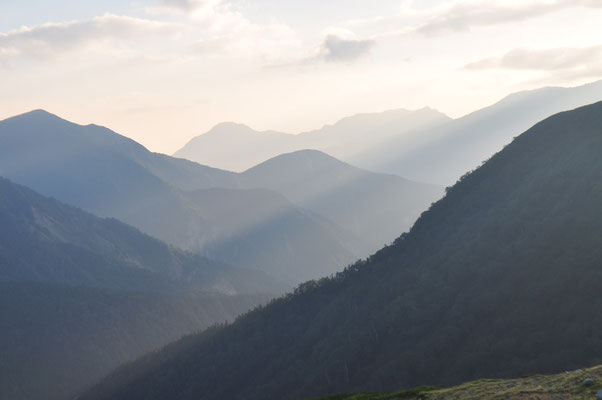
79 295
498 279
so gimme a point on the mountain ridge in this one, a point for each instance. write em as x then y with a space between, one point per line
102 172
251 147
443 154
476 289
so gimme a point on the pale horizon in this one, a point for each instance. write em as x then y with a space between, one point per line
167 71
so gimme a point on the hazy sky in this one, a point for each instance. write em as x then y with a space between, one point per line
162 71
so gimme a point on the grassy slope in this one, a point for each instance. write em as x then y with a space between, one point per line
563 386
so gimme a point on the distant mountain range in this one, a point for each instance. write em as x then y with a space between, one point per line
302 237
499 278
422 145
79 295
443 154
236 147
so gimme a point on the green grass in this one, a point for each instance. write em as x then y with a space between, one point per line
563 386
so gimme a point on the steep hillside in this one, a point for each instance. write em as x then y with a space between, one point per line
38 232
237 147
498 279
79 295
97 170
56 340
445 153
375 207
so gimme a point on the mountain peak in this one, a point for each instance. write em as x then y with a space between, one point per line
231 129
299 159
36 115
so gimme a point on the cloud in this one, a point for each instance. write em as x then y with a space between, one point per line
187 5
555 59
53 39
336 49
565 63
464 15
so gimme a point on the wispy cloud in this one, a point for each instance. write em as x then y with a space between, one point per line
187 5
53 39
206 28
471 14
464 15
544 59
567 62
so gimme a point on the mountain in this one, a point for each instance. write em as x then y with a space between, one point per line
109 175
79 295
237 147
499 278
374 207
57 339
97 170
264 230
422 145
443 154
317 234
37 231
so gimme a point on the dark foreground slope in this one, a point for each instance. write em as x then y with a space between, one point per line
568 385
499 278
57 339
80 295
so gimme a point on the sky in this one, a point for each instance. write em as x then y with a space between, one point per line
164 71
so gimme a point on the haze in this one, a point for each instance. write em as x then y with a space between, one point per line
167 70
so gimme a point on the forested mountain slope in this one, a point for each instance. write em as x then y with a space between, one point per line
58 339
499 278
37 233
80 294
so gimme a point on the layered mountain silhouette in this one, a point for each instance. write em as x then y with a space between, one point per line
374 207
237 147
499 278
443 154
264 230
109 175
79 295
422 145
